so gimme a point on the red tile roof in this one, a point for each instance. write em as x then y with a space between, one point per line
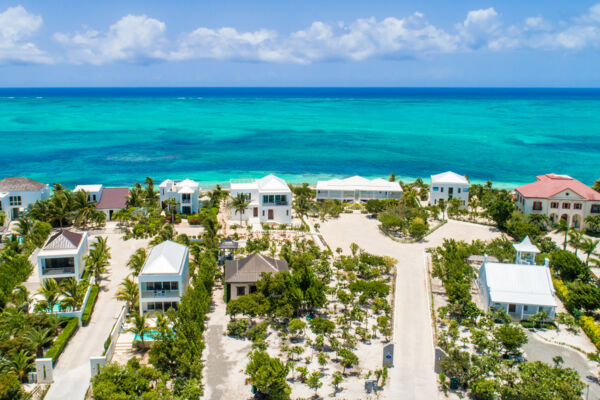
63 239
113 198
550 184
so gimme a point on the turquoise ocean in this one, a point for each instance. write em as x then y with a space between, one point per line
117 136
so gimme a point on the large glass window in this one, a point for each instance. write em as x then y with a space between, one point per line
280 199
15 200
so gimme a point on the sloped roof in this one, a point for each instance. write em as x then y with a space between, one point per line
272 183
228 244
519 284
549 185
359 183
113 198
184 186
64 240
249 269
20 184
88 188
449 177
526 246
165 258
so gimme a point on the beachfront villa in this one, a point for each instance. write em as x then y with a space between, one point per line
358 189
185 192
108 200
63 255
558 197
241 275
448 185
164 277
270 199
18 193
522 289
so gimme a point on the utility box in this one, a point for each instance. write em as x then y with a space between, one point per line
388 355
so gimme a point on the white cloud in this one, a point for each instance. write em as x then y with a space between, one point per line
16 26
134 38
480 28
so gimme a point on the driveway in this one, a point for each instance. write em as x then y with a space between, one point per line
413 376
72 371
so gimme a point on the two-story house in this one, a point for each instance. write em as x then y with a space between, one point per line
63 255
17 193
358 189
109 200
270 199
164 277
558 197
448 185
185 192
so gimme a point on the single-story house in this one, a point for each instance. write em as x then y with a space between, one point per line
241 275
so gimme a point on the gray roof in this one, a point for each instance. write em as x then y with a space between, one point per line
20 184
249 269
228 244
64 240
165 258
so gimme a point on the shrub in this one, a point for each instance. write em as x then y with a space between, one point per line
591 328
257 332
61 341
561 290
10 387
568 265
89 306
237 328
484 389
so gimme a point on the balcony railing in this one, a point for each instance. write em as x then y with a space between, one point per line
150 294
276 203
58 271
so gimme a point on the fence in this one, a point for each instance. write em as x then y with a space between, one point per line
99 361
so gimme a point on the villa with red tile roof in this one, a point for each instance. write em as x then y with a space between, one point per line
108 199
558 196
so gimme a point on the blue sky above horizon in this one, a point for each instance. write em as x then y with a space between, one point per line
314 43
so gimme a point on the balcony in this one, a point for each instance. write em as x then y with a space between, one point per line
157 294
276 203
58 271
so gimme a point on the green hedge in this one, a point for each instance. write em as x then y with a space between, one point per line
89 306
61 341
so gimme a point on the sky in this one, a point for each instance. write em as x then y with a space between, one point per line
509 43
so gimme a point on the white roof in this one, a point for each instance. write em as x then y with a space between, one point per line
359 183
519 284
205 198
184 186
88 188
449 177
165 183
269 183
526 246
165 258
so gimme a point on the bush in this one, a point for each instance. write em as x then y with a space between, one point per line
89 306
417 228
10 387
237 328
484 389
568 265
561 290
591 328
61 341
257 332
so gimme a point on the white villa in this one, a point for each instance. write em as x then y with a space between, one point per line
185 192
17 193
241 275
164 277
270 199
558 196
521 289
108 200
448 185
62 255
358 189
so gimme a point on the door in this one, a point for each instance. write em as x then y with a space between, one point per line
255 212
270 215
450 192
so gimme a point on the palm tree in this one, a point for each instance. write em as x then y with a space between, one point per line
140 327
24 226
19 363
72 294
59 206
162 325
150 193
136 196
588 246
38 338
410 197
98 258
128 292
50 293
166 233
575 238
83 208
239 204
137 260
20 297
563 226
539 220
12 320
443 205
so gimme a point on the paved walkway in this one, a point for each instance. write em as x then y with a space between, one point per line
72 371
413 375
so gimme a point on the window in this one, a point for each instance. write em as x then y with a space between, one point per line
525 308
577 206
554 204
442 189
186 197
15 200
512 308
540 308
279 199
287 212
566 206
537 205
241 290
435 188
466 190
595 209
458 190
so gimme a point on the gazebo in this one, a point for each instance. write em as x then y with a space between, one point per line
226 249
526 252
